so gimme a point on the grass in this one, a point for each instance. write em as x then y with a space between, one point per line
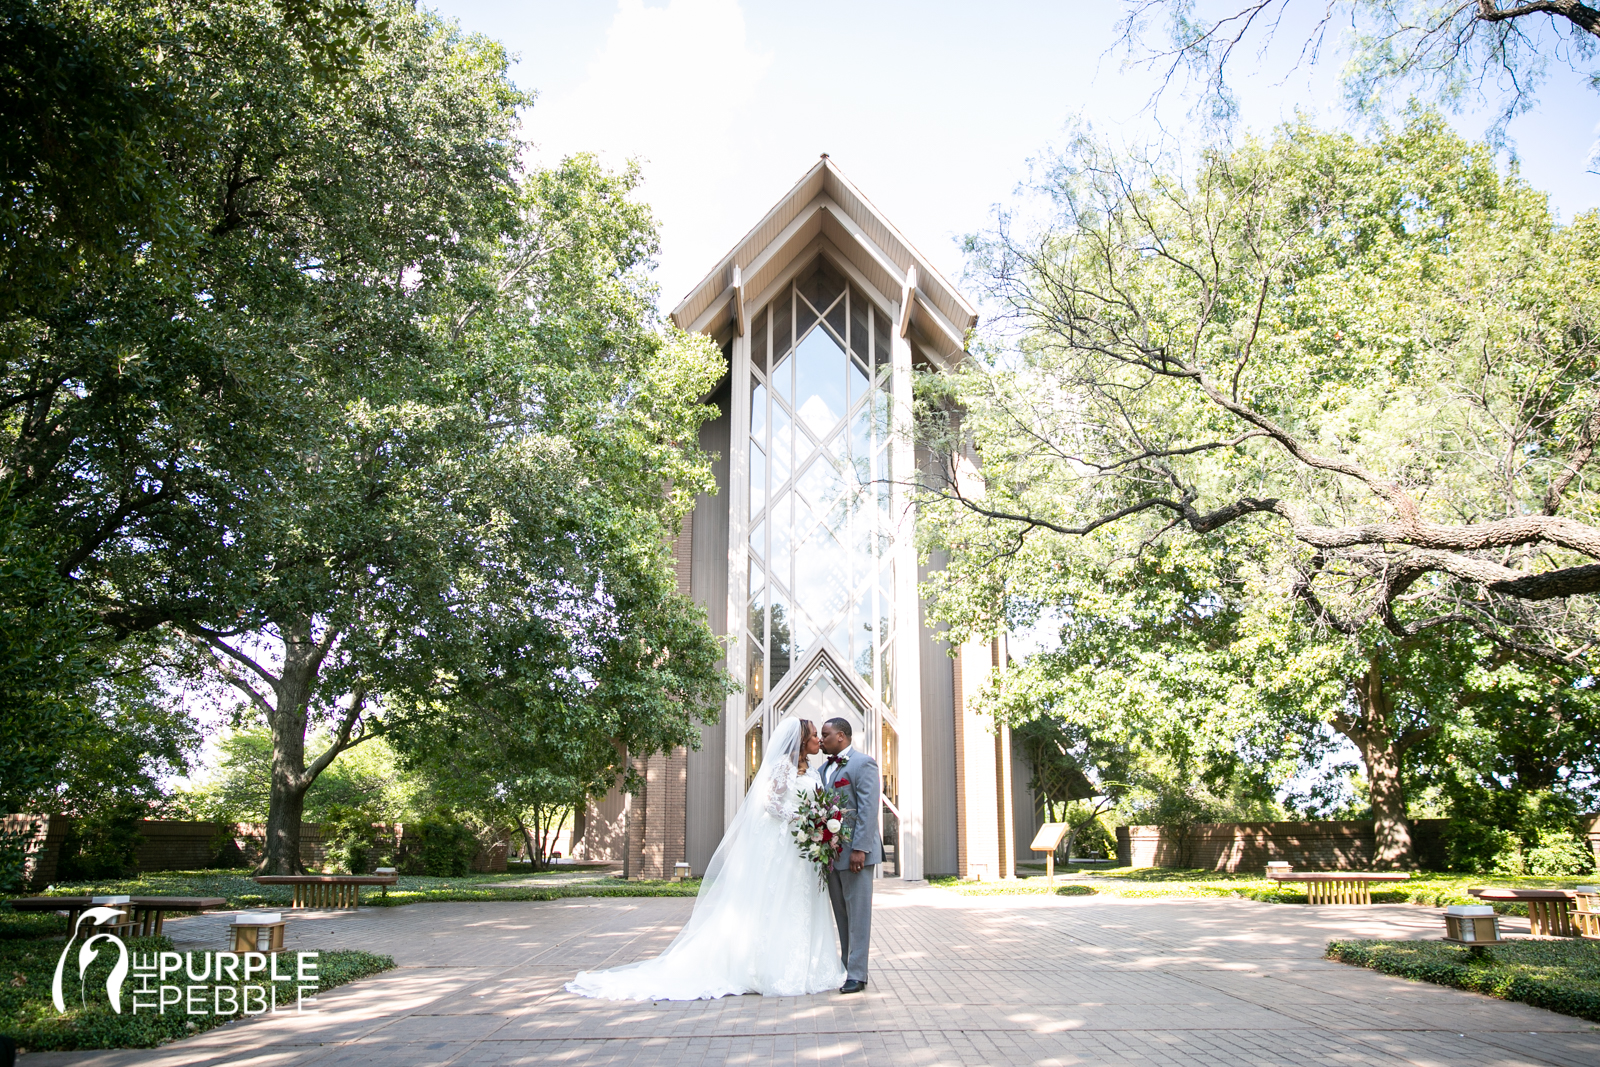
1432 889
1559 975
27 1016
237 888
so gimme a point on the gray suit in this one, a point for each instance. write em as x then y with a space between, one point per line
851 891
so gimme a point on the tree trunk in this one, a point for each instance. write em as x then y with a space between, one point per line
527 841
1372 730
288 722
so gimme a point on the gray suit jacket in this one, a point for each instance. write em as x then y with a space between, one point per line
861 783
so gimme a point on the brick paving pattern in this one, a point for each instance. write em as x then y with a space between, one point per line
1051 981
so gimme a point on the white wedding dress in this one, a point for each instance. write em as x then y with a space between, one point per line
761 922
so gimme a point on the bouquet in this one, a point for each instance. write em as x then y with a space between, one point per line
820 830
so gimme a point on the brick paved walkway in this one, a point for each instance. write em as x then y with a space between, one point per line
955 980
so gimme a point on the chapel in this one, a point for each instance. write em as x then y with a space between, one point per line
805 557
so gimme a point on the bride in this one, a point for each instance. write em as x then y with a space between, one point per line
762 922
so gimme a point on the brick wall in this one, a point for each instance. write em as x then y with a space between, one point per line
1308 846
172 845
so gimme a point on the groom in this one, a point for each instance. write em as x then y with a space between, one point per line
850 879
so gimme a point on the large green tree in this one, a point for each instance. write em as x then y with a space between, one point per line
337 382
1361 373
143 378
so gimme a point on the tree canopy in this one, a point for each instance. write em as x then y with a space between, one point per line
1312 404
335 391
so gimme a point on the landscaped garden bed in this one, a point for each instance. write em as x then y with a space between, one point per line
240 891
28 1017
1562 975
1430 889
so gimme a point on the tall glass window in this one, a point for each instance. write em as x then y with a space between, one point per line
820 469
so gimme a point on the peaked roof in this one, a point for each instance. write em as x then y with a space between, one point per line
825 211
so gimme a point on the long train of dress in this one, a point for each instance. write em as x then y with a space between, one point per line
764 925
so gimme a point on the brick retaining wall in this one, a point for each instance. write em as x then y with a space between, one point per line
173 845
1308 846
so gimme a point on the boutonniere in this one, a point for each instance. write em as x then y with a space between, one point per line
842 762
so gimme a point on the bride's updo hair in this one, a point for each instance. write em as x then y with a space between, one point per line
808 730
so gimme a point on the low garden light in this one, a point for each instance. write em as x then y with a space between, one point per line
258 932
1473 925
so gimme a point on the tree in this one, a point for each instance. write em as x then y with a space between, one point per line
237 787
522 724
1449 51
1359 373
356 364
140 384
509 484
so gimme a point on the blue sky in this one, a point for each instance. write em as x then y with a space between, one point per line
932 109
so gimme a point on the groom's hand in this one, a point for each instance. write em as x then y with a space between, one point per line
858 860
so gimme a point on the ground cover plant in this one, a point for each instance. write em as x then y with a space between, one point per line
240 891
28 1017
1425 888
1561 975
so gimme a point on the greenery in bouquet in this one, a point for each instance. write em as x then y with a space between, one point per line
820 828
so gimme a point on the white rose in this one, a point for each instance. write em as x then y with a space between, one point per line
833 826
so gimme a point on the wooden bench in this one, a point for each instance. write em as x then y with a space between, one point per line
1587 915
1549 910
327 890
1338 887
146 915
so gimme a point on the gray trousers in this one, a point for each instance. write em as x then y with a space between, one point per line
851 894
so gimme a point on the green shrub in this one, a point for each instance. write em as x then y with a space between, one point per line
225 853
445 849
103 844
347 837
1513 833
1561 976
1560 852
1075 891
14 846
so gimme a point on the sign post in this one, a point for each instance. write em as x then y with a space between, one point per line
1047 840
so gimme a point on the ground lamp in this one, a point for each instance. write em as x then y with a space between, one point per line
261 932
1473 925
123 925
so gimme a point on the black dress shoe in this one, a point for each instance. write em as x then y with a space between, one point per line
853 986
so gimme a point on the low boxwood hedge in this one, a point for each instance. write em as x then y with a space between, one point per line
1559 975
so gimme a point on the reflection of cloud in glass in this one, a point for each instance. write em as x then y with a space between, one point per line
819 381
835 444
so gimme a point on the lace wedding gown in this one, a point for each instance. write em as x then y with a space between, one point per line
761 922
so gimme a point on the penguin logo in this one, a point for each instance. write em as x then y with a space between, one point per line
87 954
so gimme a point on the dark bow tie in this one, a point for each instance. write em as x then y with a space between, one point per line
832 760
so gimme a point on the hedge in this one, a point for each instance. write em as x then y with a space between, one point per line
1561 976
